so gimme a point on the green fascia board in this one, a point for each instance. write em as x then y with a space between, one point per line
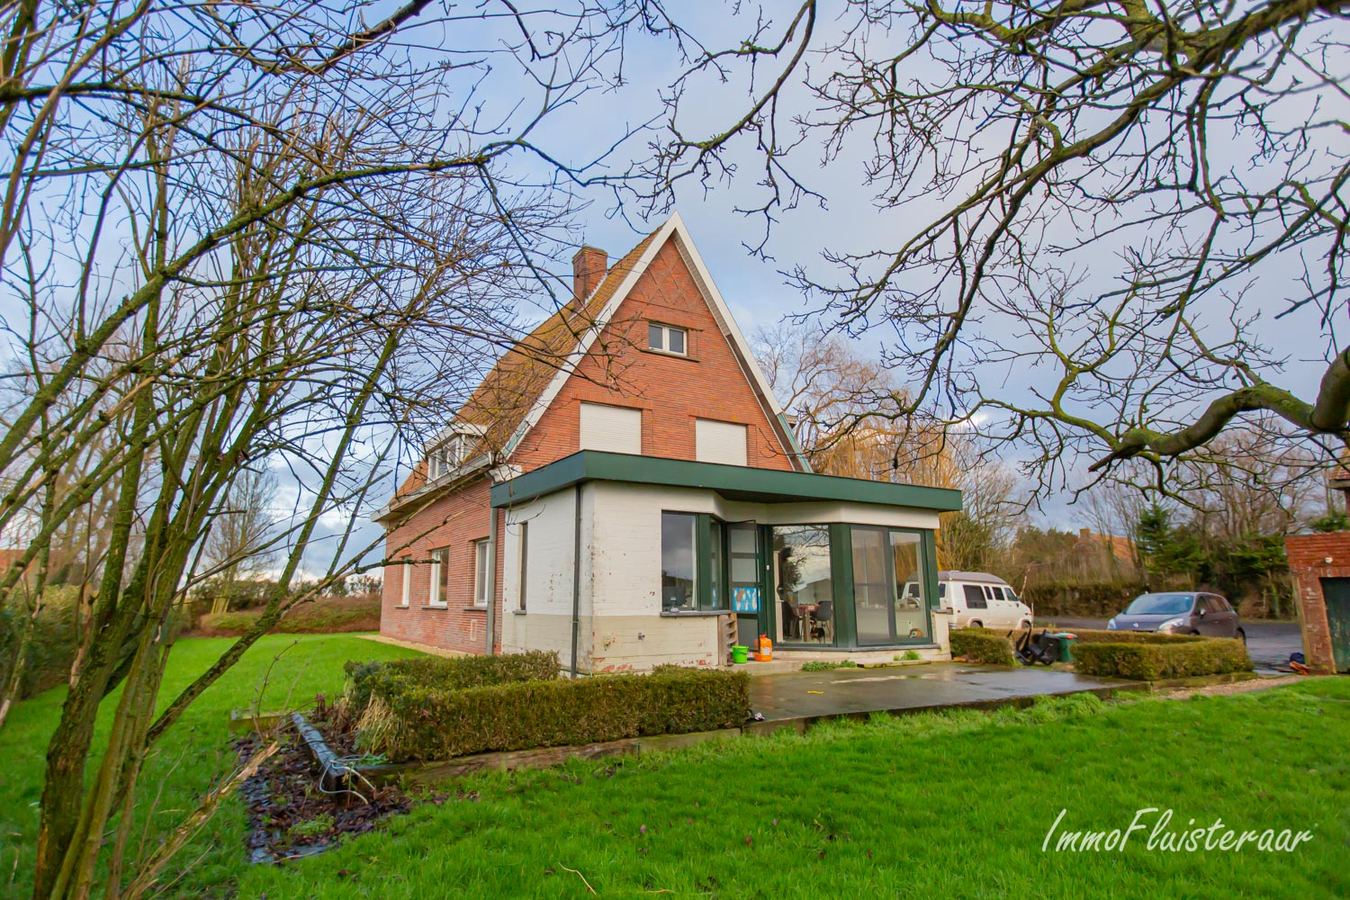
732 482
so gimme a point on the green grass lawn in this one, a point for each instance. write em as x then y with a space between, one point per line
192 755
953 805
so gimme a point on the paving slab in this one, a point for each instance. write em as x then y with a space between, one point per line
858 692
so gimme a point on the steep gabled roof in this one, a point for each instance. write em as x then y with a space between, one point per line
528 377
521 376
620 283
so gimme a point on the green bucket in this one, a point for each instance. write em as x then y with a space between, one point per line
740 654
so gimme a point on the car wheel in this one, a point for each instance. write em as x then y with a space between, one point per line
974 623
1242 636
1024 625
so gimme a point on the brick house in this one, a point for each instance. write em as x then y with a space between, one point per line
624 488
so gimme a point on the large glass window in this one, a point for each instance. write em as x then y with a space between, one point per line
805 583
716 571
678 566
911 606
872 586
890 601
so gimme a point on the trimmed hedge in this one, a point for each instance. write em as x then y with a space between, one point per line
408 721
984 645
980 645
1101 636
51 649
329 615
1156 661
441 673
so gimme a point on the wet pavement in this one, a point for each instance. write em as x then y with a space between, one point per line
851 692
1268 643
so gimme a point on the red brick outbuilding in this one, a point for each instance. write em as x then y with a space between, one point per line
1320 564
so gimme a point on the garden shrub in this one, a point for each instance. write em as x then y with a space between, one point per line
323 616
1154 661
439 673
820 665
406 720
1099 636
980 645
51 650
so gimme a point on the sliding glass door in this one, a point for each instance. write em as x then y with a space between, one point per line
872 586
888 597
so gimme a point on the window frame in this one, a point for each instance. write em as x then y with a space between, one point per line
439 581
665 330
479 563
522 564
405 589
450 455
711 558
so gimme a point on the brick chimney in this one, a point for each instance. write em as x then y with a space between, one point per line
588 270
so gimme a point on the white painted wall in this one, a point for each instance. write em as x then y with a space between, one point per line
621 623
547 622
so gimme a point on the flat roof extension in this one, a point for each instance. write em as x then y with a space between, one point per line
732 482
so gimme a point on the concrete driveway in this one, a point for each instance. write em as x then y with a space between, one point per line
810 696
1268 643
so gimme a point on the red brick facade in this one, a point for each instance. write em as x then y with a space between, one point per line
671 391
454 522
1313 557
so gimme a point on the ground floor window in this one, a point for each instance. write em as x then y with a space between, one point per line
480 572
805 582
678 562
440 576
523 569
888 578
694 555
909 578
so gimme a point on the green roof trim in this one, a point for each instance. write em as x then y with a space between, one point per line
732 482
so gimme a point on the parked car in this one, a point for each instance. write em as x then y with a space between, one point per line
1180 612
981 600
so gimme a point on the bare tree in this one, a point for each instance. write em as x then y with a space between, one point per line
849 422
246 236
1109 202
236 544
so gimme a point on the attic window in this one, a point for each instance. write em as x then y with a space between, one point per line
449 456
666 339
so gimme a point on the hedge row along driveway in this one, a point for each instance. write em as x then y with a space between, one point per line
441 709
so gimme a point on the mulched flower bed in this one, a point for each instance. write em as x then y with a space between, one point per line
291 816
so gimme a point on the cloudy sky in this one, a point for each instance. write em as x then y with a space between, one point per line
849 219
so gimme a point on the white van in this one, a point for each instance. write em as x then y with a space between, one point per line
981 600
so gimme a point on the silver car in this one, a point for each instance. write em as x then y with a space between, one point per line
1180 612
